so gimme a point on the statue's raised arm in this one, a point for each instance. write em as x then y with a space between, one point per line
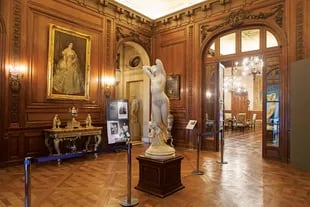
160 66
148 70
152 71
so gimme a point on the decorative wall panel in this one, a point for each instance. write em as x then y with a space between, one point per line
300 48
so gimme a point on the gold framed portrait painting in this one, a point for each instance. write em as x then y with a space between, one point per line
68 64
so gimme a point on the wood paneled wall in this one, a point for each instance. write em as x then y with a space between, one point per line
171 48
27 112
181 40
177 39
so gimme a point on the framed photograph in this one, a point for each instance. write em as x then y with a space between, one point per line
173 86
68 64
123 110
113 131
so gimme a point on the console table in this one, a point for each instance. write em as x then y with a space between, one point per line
53 137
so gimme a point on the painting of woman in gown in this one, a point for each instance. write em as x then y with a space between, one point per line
69 64
68 77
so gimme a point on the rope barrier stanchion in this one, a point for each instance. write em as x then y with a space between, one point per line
129 201
222 149
27 171
197 171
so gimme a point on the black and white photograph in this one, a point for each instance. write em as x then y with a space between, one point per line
112 110
124 129
123 110
113 132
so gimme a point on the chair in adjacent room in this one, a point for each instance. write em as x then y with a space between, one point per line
228 120
241 121
251 122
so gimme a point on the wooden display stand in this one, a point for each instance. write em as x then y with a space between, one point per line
160 177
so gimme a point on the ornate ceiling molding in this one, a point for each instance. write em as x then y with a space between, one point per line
104 5
237 18
114 9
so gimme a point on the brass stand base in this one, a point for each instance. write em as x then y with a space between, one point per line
221 162
198 172
129 202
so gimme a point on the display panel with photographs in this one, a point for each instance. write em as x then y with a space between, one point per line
117 121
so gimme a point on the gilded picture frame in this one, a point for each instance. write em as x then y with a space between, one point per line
172 89
68 64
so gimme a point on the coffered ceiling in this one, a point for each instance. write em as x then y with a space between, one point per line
155 9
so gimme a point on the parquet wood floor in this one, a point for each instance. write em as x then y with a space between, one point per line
246 181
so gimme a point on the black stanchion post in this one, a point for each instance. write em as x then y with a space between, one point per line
129 201
191 144
27 171
197 171
222 149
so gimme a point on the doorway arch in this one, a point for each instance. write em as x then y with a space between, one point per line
273 57
132 83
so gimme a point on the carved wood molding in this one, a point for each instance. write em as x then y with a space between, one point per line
190 82
129 35
132 17
16 29
237 18
116 10
109 43
300 49
186 16
16 39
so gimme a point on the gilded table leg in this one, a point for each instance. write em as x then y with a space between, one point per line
87 143
97 142
48 144
56 145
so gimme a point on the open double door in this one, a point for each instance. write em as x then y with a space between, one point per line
274 139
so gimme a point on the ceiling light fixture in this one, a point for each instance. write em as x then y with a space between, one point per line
253 65
234 83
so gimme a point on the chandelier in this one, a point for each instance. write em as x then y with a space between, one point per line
253 66
234 83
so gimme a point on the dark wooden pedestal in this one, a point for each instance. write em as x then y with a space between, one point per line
160 177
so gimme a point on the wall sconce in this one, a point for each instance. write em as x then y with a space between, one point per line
15 76
108 83
208 94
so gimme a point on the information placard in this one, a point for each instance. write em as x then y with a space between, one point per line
191 124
